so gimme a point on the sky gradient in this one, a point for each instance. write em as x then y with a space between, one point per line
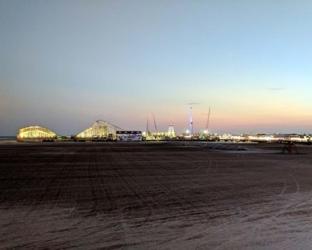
65 64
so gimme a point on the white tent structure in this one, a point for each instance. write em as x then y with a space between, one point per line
171 132
100 130
35 133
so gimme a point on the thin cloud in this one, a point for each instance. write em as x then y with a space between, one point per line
276 89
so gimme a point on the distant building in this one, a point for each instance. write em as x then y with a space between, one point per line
100 130
35 133
129 135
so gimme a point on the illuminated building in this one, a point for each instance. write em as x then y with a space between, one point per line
35 133
171 132
100 130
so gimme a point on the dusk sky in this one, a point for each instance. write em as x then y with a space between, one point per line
65 64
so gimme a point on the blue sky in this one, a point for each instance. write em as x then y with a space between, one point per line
65 64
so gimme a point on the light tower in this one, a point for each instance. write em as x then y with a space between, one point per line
147 128
191 121
155 124
191 124
208 122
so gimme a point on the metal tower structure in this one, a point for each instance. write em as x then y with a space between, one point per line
147 127
191 124
191 121
155 124
208 120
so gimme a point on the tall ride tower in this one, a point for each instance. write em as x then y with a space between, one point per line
191 124
208 121
191 121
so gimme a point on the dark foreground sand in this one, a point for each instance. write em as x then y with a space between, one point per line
154 196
